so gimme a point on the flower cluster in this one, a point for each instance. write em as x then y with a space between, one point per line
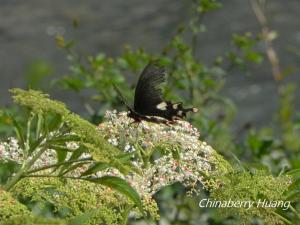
10 150
165 153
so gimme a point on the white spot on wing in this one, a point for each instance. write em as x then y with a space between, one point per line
162 106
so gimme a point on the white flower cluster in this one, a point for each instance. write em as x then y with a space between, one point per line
175 152
10 150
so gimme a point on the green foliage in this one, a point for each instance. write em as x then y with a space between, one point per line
120 185
7 169
50 126
205 6
30 220
287 118
252 186
39 103
99 73
6 122
294 190
244 51
11 207
199 9
27 220
71 198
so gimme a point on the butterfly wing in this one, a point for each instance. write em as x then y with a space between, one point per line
148 93
148 99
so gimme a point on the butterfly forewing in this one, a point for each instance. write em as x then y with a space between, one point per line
148 93
148 99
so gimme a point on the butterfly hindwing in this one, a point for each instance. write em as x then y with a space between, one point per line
148 99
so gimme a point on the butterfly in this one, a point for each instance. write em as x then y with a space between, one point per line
148 101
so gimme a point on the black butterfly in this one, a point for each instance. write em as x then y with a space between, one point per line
148 100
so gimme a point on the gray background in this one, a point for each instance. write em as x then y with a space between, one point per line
27 27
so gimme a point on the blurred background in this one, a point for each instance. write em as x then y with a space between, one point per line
28 30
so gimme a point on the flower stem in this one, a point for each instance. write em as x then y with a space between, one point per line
294 211
282 218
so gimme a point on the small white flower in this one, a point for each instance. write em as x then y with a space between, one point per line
113 141
72 145
127 148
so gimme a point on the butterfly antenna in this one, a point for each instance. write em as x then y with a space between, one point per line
121 97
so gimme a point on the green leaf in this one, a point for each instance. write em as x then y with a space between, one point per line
54 122
294 191
294 172
7 169
35 143
125 157
72 167
19 132
253 56
76 154
72 83
98 166
61 155
121 186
